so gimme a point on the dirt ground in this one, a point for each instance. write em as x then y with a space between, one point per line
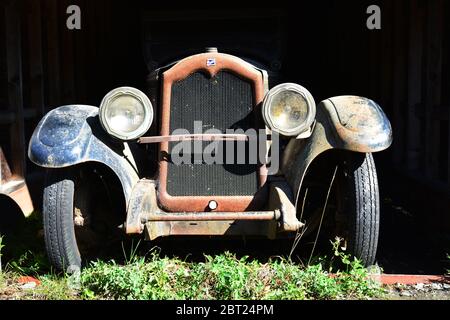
420 291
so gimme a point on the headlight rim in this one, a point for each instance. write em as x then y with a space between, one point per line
138 95
311 105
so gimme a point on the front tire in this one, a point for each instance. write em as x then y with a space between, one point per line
58 216
362 207
81 216
353 209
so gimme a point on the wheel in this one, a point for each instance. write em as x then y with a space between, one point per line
73 234
353 210
58 215
361 206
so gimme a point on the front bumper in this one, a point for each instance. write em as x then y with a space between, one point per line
144 214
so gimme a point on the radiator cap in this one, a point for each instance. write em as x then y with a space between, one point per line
211 50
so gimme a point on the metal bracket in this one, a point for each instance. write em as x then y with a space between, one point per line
142 203
307 133
282 197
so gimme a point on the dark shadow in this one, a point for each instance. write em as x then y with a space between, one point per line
411 241
11 216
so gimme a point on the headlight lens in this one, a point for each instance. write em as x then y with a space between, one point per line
126 113
289 109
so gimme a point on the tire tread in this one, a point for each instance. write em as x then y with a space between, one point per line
364 209
59 229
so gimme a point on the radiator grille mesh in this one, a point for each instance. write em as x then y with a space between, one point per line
222 102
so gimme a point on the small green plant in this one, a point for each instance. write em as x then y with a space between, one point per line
133 252
29 263
355 278
228 276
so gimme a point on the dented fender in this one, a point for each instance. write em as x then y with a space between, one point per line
347 122
71 135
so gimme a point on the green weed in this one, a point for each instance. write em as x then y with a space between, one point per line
222 277
225 277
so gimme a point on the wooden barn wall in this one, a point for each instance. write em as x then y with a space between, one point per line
405 67
44 65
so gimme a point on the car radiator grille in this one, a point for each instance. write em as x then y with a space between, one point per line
221 102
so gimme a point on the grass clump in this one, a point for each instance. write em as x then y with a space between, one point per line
139 279
226 277
54 287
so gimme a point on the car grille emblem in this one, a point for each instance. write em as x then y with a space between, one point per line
210 62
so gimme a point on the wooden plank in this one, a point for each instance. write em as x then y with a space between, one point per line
375 47
15 86
392 76
415 57
82 71
386 74
433 86
90 22
35 57
446 36
67 62
399 53
52 60
3 65
111 33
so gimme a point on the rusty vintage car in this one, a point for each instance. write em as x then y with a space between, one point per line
316 170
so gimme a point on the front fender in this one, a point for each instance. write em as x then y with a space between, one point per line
348 122
71 135
356 124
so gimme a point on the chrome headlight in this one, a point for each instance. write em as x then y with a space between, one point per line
126 113
289 109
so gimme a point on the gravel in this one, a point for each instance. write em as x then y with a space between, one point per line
420 291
